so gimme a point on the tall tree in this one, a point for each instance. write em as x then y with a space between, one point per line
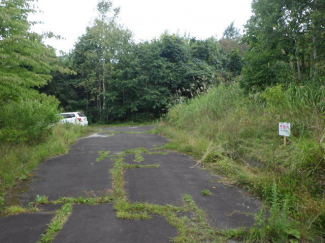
231 32
25 64
25 61
233 50
98 52
286 39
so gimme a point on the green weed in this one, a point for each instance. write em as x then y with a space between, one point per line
205 192
41 199
102 155
129 166
12 210
139 151
57 223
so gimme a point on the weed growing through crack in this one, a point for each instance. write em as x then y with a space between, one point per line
139 151
13 210
205 192
95 200
57 223
102 155
138 157
129 166
41 199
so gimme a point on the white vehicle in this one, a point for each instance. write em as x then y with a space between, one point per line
75 118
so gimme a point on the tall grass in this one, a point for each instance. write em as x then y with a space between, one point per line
18 160
236 134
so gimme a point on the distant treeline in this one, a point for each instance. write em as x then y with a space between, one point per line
120 80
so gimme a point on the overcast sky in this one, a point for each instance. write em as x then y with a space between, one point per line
147 19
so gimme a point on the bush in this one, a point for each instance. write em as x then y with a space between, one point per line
28 120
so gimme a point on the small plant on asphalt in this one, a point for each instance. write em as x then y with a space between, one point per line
41 199
102 155
205 192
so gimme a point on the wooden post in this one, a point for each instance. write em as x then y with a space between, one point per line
285 141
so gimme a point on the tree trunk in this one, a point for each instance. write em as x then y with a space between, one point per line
298 61
104 87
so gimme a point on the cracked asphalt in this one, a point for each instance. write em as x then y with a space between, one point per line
79 174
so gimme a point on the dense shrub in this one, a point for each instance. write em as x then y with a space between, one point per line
28 120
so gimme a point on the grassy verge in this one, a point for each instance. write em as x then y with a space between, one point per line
236 135
18 160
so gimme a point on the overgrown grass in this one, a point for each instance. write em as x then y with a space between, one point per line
236 135
18 160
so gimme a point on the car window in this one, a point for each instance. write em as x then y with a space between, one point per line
68 115
81 114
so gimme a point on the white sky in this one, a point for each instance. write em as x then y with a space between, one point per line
147 19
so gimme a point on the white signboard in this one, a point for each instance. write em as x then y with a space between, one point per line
284 129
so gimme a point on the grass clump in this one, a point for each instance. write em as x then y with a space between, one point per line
16 209
205 192
235 134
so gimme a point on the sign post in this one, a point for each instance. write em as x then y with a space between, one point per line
284 130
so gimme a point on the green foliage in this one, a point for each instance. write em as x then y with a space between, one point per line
28 120
286 43
25 61
119 80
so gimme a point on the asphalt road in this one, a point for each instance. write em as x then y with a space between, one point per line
79 173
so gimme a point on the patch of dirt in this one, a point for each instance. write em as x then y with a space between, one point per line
12 196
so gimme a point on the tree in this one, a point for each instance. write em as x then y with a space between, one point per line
231 32
232 49
25 64
97 53
290 34
25 61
